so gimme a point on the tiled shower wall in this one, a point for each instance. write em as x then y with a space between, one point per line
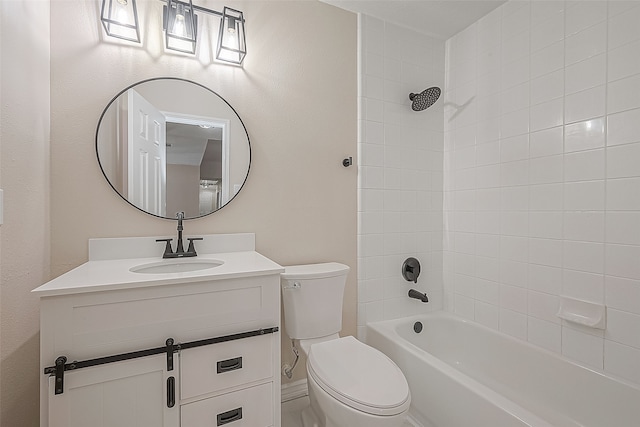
400 161
542 175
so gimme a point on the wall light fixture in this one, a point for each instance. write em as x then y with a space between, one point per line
180 24
120 19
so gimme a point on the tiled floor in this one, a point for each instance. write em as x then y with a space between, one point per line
291 413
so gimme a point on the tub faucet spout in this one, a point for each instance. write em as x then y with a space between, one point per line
418 295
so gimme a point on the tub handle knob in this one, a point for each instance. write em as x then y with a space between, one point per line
411 270
296 285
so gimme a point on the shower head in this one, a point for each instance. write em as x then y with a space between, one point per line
424 99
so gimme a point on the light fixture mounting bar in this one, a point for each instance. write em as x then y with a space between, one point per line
202 9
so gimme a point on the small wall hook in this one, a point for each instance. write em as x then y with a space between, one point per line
347 162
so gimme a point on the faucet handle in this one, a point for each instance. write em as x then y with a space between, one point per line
167 249
191 247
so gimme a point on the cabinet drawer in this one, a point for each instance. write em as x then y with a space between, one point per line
217 367
250 407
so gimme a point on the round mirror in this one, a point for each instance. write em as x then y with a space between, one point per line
169 145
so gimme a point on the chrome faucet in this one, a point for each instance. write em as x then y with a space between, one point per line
179 253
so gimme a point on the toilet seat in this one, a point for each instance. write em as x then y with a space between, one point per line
359 376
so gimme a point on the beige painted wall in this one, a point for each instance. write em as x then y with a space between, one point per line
24 177
296 95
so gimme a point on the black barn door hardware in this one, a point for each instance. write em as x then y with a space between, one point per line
169 348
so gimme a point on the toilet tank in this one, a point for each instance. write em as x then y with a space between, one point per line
312 295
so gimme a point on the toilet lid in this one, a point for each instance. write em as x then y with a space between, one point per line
359 376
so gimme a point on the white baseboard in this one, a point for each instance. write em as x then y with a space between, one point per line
294 390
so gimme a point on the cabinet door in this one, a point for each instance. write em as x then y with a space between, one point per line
132 393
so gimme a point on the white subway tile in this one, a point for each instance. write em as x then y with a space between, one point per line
488 129
623 327
622 161
487 315
585 226
617 7
546 60
622 360
516 46
622 261
515 98
584 196
514 148
623 227
585 44
584 256
623 194
515 19
581 15
624 61
545 279
622 294
584 135
546 170
464 306
514 248
623 128
513 298
547 87
515 123
584 165
514 173
583 347
583 286
549 31
623 28
514 198
487 269
487 222
488 176
543 306
545 225
515 72
545 334
585 105
546 197
514 273
487 245
542 11
623 94
546 142
514 324
545 252
546 115
488 199
586 74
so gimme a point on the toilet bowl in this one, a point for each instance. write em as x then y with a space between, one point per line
353 385
350 383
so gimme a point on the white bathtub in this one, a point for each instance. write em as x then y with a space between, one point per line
463 374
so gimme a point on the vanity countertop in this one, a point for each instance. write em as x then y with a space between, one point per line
107 275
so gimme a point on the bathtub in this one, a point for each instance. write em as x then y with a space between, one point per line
463 374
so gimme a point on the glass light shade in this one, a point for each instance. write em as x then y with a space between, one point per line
120 19
231 38
181 26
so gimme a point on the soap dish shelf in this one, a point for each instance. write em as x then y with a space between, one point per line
583 313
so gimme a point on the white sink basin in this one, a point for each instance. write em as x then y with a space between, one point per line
175 266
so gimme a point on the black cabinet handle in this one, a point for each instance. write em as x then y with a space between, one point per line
171 392
229 416
229 365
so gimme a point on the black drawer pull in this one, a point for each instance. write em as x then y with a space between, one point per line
229 365
230 416
171 392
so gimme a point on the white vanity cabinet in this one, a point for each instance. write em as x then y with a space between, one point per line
222 367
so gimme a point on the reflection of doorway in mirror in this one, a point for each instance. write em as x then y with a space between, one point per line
197 152
146 166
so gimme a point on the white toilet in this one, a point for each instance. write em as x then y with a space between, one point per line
350 384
